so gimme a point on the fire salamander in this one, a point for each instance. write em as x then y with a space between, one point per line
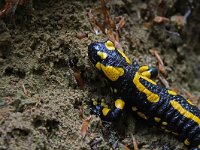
133 86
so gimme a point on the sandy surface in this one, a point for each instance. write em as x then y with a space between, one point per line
39 98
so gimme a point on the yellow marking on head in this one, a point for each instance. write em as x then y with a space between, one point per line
146 74
171 92
199 146
119 104
157 119
190 102
102 55
143 68
115 91
164 123
98 65
113 73
186 142
125 57
142 115
105 111
134 108
109 45
151 97
184 112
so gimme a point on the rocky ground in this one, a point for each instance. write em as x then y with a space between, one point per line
40 101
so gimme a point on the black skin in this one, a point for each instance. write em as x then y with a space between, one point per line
186 128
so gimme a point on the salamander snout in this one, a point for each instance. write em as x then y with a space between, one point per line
93 50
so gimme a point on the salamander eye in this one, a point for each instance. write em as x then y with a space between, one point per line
109 45
102 55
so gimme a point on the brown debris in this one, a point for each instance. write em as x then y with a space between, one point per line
134 142
84 127
81 35
24 89
76 72
160 19
163 81
161 66
109 26
180 20
10 6
81 111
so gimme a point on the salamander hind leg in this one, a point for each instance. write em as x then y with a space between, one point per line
105 113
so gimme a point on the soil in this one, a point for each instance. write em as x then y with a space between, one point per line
40 101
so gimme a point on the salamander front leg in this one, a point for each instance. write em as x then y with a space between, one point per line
105 113
149 72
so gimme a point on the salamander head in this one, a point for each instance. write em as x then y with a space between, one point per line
96 51
106 52
105 57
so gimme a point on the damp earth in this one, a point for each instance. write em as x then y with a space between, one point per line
40 101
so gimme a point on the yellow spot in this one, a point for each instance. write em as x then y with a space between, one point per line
164 123
98 66
109 45
102 55
113 73
105 111
142 115
143 68
146 74
151 97
157 119
134 108
186 142
189 101
184 112
172 92
119 104
115 91
125 57
199 146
